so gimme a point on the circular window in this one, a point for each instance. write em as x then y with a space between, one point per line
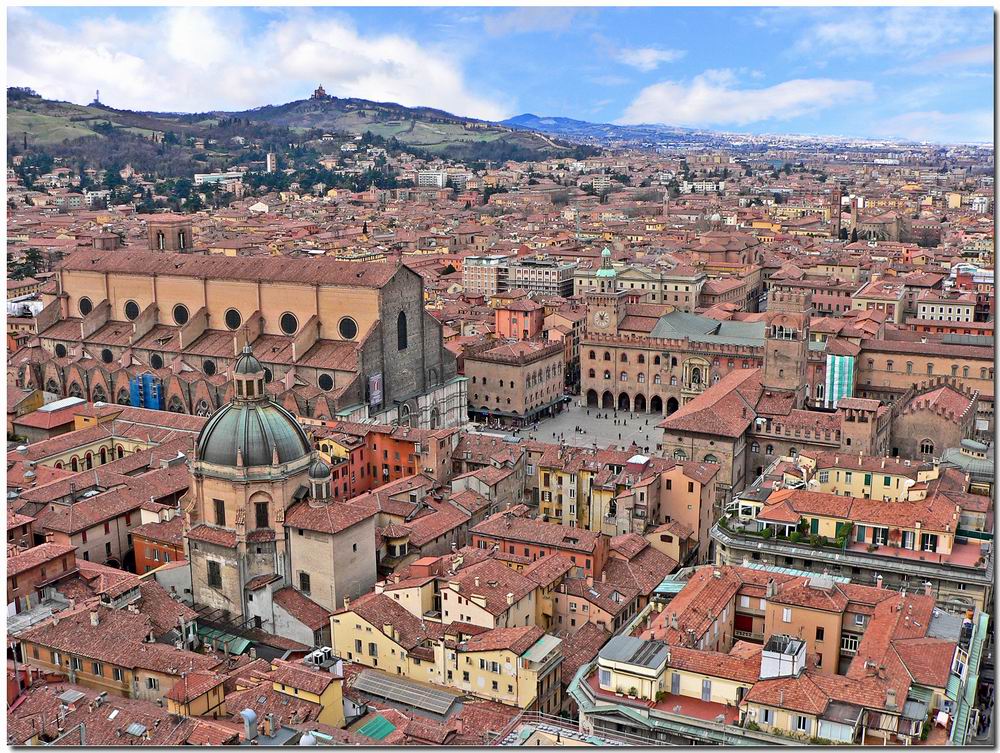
180 314
325 382
348 328
86 306
208 367
132 311
156 361
233 319
268 374
289 324
60 350
107 356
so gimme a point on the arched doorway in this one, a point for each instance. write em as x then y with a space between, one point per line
623 402
672 405
608 401
639 403
656 404
591 398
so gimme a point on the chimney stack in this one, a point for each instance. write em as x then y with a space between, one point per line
878 581
95 618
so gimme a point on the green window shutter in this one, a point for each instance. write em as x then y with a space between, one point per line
814 526
868 479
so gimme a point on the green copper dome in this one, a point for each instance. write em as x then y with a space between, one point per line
247 363
606 269
249 434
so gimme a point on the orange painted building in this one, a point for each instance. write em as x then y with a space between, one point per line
158 543
521 319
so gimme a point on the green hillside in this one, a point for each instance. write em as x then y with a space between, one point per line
48 122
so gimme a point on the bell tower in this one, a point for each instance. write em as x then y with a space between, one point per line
787 344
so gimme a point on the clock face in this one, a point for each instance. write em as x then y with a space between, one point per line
601 319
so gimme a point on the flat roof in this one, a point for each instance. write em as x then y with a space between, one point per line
404 691
541 648
631 650
66 402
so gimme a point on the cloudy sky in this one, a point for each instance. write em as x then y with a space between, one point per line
919 73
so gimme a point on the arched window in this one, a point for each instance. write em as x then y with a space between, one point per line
593 356
642 358
710 458
695 375
435 417
624 358
909 367
656 360
926 447
679 454
769 450
74 464
673 381
624 377
591 373
404 415
965 371
607 374
754 447
954 370
930 368
401 337
261 517
888 365
607 356
656 379
642 377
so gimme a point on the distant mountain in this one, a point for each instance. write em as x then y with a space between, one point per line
584 130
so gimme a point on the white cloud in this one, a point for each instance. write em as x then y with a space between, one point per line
713 99
647 58
902 32
197 59
940 127
529 20
609 79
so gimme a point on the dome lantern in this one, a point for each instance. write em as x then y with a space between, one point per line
320 476
248 376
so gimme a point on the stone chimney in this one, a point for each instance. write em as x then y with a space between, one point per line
878 581
510 599
95 618
890 699
928 588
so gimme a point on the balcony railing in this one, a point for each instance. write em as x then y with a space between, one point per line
734 538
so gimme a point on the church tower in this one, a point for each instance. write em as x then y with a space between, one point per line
786 345
835 203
